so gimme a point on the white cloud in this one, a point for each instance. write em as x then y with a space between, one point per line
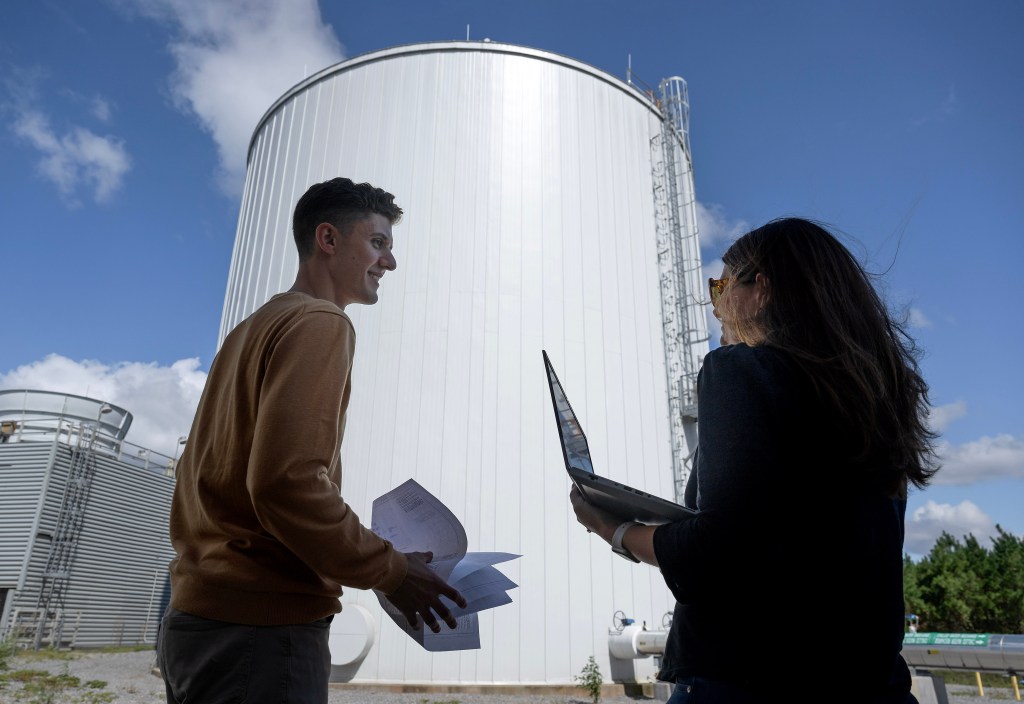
162 400
985 458
918 319
941 417
101 109
716 228
77 159
235 58
928 522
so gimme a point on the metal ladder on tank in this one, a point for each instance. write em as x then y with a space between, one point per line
50 608
679 265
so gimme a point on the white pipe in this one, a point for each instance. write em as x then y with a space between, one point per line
636 642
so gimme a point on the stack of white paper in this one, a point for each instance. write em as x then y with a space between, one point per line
414 520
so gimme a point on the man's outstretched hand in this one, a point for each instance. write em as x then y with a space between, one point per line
419 596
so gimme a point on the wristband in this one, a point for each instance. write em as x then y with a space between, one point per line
617 547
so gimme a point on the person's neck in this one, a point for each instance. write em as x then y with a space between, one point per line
309 284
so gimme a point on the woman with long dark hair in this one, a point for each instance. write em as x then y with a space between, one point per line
812 420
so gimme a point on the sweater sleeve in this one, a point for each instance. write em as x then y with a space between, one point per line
745 398
300 423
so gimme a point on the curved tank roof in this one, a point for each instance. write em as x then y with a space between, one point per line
44 410
484 45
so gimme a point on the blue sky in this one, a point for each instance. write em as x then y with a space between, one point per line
124 124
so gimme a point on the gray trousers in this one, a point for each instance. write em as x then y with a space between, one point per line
213 662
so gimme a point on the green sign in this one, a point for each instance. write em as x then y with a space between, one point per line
973 640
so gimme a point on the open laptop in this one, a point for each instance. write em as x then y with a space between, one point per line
616 498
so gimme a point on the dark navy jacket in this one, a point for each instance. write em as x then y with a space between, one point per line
791 573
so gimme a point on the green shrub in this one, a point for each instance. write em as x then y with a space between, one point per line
590 679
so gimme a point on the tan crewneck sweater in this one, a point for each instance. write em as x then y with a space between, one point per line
262 533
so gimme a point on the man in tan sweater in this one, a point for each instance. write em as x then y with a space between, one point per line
264 540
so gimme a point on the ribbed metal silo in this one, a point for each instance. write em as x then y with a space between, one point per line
83 531
530 183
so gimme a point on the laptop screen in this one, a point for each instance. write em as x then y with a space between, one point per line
574 442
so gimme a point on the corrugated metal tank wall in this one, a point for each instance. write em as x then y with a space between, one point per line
120 572
526 181
119 575
22 484
54 468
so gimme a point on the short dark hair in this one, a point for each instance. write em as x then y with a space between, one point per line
822 309
341 203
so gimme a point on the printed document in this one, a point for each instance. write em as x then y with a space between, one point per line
414 520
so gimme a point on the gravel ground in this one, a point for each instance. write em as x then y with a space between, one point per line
129 676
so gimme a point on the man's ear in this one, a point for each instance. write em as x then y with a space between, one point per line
326 236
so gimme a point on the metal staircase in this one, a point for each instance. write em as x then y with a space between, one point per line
682 303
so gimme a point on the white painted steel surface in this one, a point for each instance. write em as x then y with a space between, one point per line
526 181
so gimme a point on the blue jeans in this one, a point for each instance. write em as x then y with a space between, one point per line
699 690
214 662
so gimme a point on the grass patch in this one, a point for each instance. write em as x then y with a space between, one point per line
126 649
30 655
33 686
44 654
40 687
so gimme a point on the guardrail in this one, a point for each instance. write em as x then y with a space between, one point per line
1001 653
66 433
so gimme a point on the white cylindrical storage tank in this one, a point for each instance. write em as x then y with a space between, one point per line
526 179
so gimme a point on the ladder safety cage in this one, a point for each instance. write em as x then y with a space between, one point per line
50 606
683 315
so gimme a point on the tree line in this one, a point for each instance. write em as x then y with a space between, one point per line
964 587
